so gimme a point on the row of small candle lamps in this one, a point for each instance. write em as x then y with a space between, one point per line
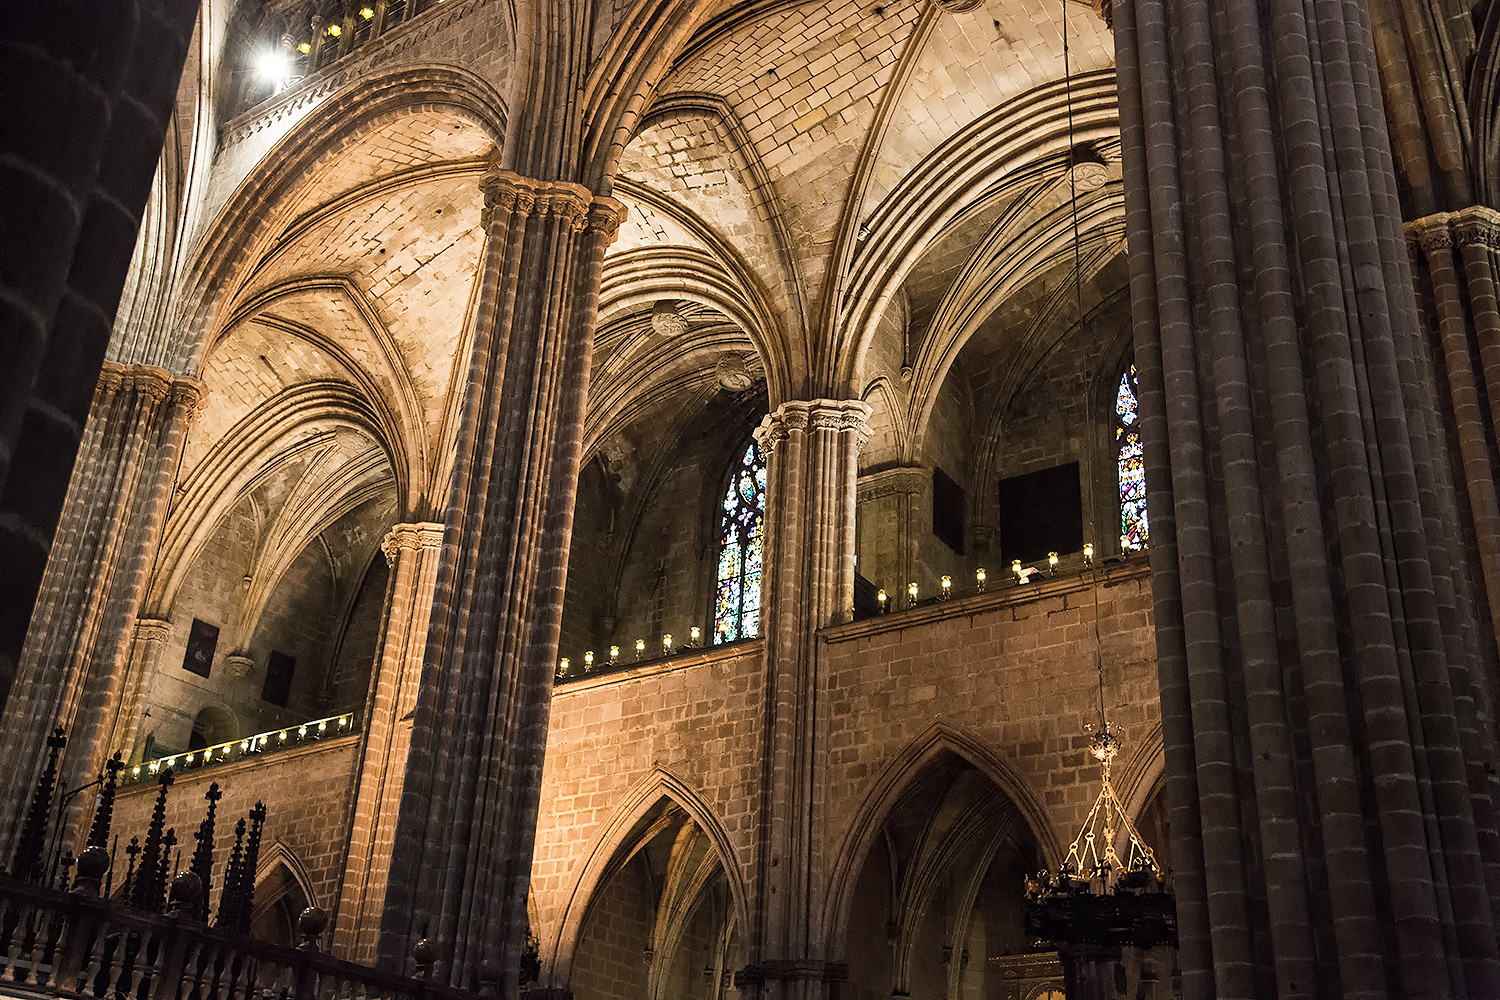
565 665
1020 574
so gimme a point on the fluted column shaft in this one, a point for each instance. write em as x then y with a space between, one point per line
74 669
461 860
812 450
411 550
1331 825
147 641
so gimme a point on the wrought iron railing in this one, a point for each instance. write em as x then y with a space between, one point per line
250 746
70 927
76 945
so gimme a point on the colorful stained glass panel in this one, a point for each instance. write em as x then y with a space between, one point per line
737 599
1134 528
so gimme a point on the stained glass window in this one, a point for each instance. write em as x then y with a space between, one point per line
1134 533
737 601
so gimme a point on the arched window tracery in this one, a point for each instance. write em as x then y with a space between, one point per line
741 527
1130 462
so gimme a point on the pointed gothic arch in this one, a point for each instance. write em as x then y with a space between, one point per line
609 852
283 889
898 777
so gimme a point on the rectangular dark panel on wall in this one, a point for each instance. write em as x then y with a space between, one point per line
866 604
948 511
278 686
1041 512
202 641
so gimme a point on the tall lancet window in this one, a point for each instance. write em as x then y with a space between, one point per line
1134 533
737 601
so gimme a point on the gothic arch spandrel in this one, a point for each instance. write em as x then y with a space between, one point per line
897 778
646 811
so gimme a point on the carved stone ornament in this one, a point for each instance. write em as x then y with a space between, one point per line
733 372
667 320
1479 226
1090 169
794 416
237 666
414 536
1434 232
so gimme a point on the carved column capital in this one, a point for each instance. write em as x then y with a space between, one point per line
413 536
142 380
238 666
1432 232
605 216
150 382
842 415
189 394
1477 226
152 629
510 192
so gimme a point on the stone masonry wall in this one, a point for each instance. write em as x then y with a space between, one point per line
306 792
1011 670
614 740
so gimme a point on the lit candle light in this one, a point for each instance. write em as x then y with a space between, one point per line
695 636
882 599
979 577
1052 562
1088 553
562 666
947 587
614 655
640 648
588 661
1015 567
666 643
911 594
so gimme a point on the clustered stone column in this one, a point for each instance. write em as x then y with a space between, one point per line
74 669
461 861
1457 295
412 552
812 450
1326 737
147 642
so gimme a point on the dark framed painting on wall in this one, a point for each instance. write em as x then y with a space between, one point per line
202 641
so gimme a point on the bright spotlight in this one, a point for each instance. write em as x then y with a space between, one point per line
271 67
